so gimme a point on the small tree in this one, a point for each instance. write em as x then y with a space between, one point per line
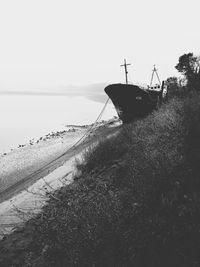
172 83
174 86
189 66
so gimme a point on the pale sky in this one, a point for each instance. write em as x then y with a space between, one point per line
61 42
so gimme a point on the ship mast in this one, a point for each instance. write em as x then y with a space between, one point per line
125 68
154 71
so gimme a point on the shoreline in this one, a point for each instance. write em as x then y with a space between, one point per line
25 159
23 194
66 129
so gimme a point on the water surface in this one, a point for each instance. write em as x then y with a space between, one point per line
26 117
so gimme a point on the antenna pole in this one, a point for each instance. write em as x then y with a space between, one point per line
154 71
126 71
158 77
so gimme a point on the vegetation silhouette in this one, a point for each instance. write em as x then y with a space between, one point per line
135 199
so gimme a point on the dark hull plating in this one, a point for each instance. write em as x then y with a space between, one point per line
132 101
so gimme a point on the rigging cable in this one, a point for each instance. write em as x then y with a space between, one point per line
92 127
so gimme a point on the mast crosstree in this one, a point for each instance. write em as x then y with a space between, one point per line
125 68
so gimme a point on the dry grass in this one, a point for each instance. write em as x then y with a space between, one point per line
135 201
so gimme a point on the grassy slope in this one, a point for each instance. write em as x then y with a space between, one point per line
135 202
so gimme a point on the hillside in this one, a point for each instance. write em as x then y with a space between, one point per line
135 200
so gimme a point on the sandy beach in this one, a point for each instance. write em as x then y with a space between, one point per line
30 171
22 161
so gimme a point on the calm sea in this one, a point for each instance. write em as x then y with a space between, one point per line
23 118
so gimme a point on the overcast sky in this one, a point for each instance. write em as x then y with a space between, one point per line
61 42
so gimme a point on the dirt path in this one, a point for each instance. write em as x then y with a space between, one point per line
22 200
